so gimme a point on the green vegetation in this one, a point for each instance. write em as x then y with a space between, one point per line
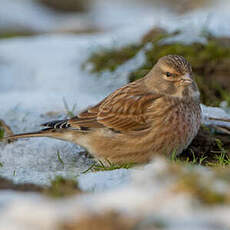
208 148
61 187
60 159
13 34
210 61
1 133
100 166
70 112
67 5
111 58
190 159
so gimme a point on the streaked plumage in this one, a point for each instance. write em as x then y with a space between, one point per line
157 114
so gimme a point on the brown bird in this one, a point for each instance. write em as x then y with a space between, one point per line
158 114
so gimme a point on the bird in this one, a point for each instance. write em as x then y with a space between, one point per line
158 114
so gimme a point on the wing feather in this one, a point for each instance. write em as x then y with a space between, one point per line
124 110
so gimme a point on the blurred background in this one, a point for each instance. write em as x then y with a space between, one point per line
31 17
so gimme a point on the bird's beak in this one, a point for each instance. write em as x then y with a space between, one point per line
186 80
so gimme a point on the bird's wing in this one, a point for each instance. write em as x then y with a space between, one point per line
124 110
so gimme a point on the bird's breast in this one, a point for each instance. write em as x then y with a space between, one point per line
175 125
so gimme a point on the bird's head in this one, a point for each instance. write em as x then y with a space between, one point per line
172 75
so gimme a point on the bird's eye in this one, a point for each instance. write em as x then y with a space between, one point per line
168 74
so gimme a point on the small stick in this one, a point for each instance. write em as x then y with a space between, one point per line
222 129
219 119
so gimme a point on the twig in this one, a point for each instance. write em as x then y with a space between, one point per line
219 119
222 129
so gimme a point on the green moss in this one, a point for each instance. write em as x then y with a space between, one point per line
111 58
10 34
67 5
1 133
61 187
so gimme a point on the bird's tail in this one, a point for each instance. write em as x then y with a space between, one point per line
55 129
